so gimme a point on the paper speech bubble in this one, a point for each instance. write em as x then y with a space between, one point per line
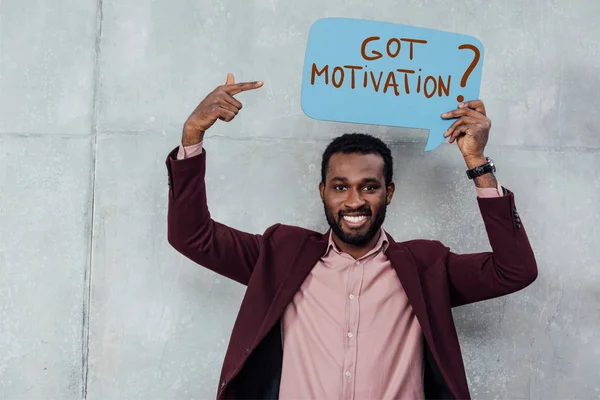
388 74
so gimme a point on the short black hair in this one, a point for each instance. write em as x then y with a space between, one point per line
363 144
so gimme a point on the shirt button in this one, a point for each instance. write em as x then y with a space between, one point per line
351 297
357 263
350 334
348 373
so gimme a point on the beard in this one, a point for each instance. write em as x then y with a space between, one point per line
358 237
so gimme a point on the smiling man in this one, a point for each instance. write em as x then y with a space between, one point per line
349 314
356 186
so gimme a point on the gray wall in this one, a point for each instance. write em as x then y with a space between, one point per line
93 94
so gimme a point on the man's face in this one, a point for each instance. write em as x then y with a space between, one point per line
355 196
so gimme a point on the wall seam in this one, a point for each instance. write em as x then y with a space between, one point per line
87 292
271 139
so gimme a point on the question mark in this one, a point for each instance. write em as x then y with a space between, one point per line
472 66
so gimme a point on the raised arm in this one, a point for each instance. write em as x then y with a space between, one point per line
511 264
190 228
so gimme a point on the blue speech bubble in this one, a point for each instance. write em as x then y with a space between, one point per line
381 73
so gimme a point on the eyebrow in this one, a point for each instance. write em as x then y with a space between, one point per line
365 180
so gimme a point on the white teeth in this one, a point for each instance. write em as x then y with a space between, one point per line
354 220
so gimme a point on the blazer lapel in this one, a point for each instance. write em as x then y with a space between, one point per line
406 269
307 255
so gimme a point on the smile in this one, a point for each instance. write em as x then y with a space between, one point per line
355 221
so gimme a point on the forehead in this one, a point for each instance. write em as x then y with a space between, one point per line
355 166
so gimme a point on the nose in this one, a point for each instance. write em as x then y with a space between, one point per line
354 199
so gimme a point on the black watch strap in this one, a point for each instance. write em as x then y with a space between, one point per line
482 169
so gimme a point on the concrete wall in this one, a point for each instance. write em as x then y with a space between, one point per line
93 301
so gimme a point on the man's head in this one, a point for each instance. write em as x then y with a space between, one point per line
356 186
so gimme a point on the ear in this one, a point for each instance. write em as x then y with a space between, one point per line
322 191
390 193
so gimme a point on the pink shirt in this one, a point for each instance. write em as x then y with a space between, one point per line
350 332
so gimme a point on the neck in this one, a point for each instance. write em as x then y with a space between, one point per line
356 251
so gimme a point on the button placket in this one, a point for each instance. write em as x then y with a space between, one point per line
355 276
350 341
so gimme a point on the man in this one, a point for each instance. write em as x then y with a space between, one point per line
350 314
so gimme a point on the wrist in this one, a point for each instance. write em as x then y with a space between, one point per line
190 141
191 136
475 161
485 179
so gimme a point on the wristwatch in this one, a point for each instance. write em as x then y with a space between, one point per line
482 169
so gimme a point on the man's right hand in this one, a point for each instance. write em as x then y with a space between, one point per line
219 104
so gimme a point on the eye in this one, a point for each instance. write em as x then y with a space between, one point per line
338 187
369 188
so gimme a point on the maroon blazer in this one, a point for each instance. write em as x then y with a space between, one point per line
274 264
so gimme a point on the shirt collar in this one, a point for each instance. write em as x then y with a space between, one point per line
382 243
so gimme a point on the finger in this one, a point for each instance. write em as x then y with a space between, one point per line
225 115
476 105
228 106
230 79
460 130
232 100
459 112
242 87
458 122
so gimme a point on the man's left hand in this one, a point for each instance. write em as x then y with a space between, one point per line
470 130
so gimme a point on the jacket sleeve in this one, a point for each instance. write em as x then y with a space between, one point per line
509 267
193 233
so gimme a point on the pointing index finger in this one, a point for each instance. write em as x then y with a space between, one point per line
242 87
